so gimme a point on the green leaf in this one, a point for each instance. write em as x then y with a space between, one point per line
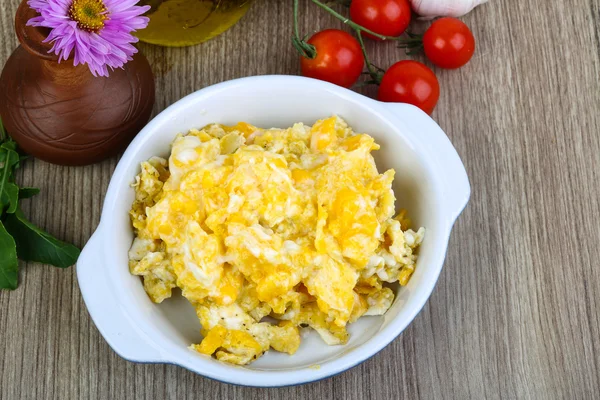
33 244
9 265
11 195
27 192
9 145
3 134
9 192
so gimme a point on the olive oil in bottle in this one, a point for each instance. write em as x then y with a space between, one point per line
189 22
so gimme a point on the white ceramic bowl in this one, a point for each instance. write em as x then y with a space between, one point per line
431 183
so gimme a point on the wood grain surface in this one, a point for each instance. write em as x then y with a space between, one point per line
516 312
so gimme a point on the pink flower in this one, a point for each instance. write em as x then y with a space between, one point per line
98 32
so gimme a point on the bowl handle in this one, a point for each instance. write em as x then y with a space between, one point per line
446 160
111 320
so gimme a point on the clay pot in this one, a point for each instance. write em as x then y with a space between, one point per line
63 114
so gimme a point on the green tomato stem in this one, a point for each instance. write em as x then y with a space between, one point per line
374 71
305 49
2 131
345 3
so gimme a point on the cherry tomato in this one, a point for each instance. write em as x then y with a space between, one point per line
449 43
410 82
339 58
385 17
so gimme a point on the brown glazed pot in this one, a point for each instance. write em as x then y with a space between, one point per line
63 114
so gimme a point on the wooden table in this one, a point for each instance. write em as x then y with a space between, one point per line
516 311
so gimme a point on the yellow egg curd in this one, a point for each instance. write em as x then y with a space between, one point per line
294 224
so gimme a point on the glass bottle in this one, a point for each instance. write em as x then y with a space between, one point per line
189 22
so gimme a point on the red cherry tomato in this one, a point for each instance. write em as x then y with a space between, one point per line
449 43
385 17
339 58
410 82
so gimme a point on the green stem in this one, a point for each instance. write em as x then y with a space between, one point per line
345 3
375 75
3 134
296 28
413 44
410 41
305 49
352 24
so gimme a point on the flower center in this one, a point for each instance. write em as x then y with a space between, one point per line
89 14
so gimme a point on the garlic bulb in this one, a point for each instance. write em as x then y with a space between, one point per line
444 8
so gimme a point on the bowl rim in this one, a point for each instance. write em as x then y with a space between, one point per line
258 378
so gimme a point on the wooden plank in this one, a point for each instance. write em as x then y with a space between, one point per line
515 312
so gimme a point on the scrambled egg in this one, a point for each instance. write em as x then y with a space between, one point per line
296 225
